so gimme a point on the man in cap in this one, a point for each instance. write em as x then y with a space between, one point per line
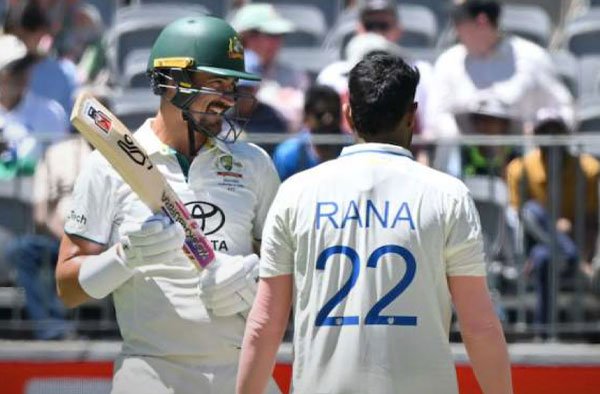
18 104
181 330
262 30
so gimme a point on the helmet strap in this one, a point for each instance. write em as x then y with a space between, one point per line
191 134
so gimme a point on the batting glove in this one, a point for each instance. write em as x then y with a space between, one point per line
228 286
157 241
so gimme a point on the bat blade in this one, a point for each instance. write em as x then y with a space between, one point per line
108 135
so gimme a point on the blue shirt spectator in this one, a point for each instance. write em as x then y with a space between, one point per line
295 155
55 79
322 115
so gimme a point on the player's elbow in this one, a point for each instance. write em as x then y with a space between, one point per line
70 294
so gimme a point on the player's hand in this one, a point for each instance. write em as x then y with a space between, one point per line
228 286
157 241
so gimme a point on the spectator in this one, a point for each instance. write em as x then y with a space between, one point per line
377 19
514 70
488 116
262 117
18 105
530 174
262 31
35 255
51 77
322 115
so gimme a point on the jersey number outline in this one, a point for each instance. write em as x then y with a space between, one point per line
374 316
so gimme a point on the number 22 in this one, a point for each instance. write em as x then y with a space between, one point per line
373 316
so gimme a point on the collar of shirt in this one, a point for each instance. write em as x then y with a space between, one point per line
153 145
372 147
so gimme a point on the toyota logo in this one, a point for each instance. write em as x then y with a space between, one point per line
209 216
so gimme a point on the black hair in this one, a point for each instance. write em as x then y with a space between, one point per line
382 90
33 17
324 103
470 9
375 6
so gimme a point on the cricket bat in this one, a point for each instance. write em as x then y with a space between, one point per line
106 133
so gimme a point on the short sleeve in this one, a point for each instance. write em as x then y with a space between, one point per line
277 248
464 242
93 205
267 185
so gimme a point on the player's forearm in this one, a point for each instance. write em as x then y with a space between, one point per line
264 330
67 282
487 351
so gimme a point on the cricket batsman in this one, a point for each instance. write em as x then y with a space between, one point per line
181 329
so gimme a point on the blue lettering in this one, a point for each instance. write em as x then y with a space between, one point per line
408 216
382 219
322 213
356 216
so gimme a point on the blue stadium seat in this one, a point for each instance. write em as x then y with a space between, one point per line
134 69
215 7
134 106
418 22
329 8
310 23
138 27
528 21
588 114
582 34
567 67
589 75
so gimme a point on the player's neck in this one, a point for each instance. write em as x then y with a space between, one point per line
402 139
173 131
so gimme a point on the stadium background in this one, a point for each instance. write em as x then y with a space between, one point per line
565 359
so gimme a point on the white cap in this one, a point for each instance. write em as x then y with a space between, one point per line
362 44
262 17
11 50
490 105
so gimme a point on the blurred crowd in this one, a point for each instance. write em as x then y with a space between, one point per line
487 68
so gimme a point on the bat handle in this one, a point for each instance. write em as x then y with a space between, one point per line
199 251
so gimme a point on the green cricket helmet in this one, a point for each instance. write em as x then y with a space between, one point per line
205 44
200 44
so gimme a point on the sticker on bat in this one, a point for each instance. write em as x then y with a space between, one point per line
100 119
134 153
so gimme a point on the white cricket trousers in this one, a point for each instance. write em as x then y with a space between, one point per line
160 375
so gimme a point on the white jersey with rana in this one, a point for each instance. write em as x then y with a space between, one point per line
370 239
228 188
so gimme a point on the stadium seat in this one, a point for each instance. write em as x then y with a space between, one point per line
216 7
588 114
134 106
528 21
311 26
16 217
490 194
420 29
582 34
138 27
589 75
330 9
567 67
134 69
419 24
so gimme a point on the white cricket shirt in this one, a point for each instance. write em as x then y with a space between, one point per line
229 191
370 239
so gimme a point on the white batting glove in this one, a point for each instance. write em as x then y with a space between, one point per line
228 286
157 241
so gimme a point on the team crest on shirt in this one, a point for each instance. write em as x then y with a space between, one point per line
230 171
